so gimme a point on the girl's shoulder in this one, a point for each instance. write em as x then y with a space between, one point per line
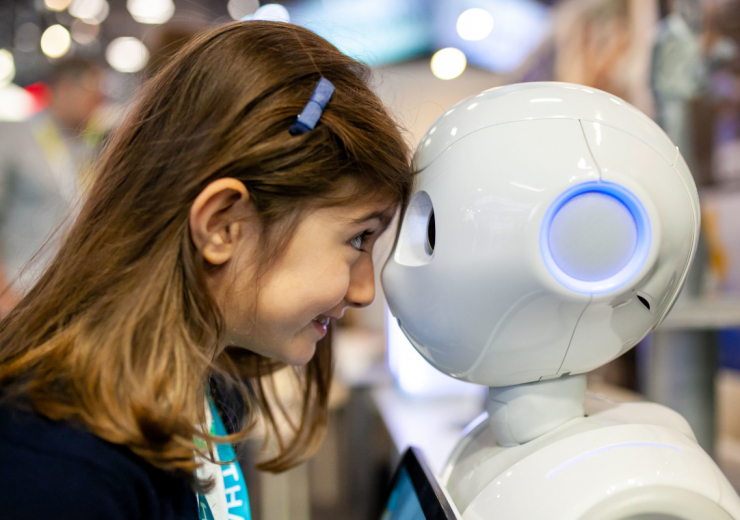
51 469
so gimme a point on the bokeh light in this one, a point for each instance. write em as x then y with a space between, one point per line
7 67
57 5
238 9
127 54
448 63
91 11
84 33
272 13
474 24
15 103
151 11
55 41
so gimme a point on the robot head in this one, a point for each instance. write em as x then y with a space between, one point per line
551 229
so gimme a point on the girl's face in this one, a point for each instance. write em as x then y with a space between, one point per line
326 267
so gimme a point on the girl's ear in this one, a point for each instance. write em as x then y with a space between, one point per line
218 218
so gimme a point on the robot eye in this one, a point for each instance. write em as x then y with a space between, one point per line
431 234
418 234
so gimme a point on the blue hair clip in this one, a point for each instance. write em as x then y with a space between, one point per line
312 111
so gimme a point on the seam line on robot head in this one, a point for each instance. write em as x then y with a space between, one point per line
590 151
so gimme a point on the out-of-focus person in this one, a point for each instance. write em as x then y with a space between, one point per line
44 163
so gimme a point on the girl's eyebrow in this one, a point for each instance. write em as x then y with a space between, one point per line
384 216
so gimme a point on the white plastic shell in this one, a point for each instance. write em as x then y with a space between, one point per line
479 302
578 469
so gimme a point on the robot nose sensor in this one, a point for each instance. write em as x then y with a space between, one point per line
595 237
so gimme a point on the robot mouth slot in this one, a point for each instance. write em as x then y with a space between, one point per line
644 301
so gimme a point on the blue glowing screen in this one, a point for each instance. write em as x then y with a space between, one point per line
403 504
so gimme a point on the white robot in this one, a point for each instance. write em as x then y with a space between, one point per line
551 229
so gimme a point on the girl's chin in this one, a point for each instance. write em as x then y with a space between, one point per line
296 353
300 353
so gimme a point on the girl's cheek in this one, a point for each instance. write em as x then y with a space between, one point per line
335 286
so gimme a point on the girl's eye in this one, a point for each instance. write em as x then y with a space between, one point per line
358 241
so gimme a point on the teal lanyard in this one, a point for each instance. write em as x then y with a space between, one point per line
235 488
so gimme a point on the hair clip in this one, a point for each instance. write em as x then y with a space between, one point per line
312 111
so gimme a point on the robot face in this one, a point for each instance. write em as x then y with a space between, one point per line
551 229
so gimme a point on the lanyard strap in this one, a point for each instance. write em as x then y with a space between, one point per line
233 493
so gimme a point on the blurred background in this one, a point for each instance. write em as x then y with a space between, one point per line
68 69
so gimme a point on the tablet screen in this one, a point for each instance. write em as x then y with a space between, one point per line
415 493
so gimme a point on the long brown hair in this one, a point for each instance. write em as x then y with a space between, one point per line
120 333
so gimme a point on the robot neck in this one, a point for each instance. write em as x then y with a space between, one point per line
521 413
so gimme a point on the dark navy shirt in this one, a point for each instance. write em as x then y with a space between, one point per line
53 470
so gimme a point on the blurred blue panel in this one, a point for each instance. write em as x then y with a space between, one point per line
519 28
372 31
729 348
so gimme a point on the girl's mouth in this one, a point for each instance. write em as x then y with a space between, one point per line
323 320
320 323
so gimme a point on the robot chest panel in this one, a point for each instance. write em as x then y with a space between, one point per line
570 477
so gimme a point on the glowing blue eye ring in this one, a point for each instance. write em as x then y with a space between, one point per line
639 256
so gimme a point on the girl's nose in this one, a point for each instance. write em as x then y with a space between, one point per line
361 291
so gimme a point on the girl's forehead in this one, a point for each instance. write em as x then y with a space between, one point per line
362 212
374 209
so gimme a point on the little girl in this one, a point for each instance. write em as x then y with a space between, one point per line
222 236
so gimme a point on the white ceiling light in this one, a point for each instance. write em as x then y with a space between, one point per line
474 24
127 54
238 9
55 41
448 63
272 13
91 11
7 67
57 5
100 17
151 11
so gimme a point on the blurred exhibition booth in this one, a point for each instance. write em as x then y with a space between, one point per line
678 61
